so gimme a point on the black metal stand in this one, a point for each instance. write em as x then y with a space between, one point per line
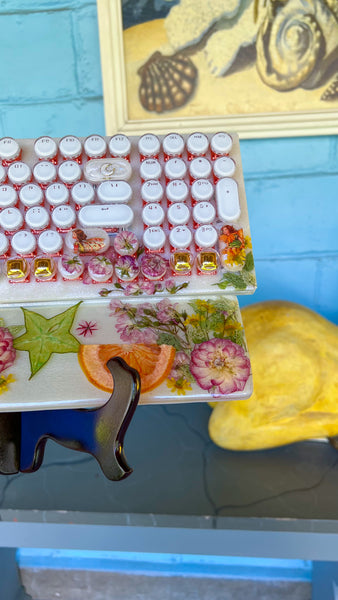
99 432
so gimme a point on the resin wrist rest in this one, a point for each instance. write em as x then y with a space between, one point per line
185 350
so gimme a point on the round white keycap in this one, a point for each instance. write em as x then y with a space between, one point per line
44 172
154 238
151 191
150 169
180 237
19 173
8 196
177 191
149 145
31 195
95 146
2 174
221 143
201 189
9 148
204 213
114 191
224 166
173 144
175 168
119 145
206 236
70 172
153 215
23 243
82 193
70 146
50 241
197 144
57 194
11 219
4 244
64 216
200 168
45 147
37 218
178 214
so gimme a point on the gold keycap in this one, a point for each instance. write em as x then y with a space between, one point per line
16 269
44 268
182 262
207 261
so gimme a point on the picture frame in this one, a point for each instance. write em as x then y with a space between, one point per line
248 126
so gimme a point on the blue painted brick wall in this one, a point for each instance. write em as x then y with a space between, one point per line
51 84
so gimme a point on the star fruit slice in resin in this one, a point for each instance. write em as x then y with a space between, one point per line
44 337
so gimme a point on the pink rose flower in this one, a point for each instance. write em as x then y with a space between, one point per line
220 366
7 352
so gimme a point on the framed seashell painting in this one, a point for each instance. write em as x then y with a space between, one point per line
263 68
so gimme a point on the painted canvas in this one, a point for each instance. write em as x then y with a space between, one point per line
193 58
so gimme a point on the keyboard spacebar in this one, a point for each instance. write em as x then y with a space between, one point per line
107 216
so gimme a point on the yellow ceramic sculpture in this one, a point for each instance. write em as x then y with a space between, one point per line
294 357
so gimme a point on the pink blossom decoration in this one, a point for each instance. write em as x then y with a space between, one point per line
148 287
129 332
170 285
132 289
7 352
181 360
125 243
166 311
220 366
126 268
86 328
153 266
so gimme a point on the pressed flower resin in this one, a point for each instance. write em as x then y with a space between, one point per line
71 267
125 243
126 268
234 245
153 266
100 268
220 366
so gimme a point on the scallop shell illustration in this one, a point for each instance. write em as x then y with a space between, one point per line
297 43
331 93
167 82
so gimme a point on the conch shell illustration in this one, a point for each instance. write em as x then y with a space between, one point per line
297 43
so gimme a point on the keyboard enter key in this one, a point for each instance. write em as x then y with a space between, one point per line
227 200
